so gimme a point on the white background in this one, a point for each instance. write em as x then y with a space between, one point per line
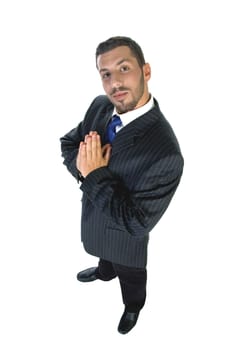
48 79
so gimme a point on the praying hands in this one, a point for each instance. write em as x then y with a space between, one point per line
91 154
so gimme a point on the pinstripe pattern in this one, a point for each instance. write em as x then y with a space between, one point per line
124 201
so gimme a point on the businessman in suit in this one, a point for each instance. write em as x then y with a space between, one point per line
127 160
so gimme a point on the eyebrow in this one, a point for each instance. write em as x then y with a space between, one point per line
122 61
118 64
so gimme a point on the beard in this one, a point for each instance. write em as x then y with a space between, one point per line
124 106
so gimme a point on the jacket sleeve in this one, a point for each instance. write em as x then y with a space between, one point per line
139 211
69 148
70 142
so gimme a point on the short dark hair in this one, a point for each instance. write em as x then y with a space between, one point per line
117 41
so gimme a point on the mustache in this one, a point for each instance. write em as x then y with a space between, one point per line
114 90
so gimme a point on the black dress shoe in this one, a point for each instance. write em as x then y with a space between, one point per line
128 321
87 275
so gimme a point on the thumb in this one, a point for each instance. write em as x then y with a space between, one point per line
107 153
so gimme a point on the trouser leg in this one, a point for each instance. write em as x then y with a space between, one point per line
105 270
133 286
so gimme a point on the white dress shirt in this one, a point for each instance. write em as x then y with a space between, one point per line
128 117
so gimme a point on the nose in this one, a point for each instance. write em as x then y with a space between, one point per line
116 80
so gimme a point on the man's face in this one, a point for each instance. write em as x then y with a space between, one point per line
124 82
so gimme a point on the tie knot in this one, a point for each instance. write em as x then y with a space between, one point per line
111 131
116 121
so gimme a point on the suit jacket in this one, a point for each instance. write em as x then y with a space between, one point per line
122 202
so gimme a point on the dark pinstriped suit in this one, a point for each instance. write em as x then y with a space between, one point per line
124 201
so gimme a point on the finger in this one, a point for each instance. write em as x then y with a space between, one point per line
78 158
104 148
94 146
99 152
91 133
88 148
83 151
107 153
81 158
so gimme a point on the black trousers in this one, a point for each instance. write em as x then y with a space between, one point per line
132 282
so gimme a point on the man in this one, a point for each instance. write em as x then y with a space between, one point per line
129 163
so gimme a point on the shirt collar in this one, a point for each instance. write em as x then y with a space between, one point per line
128 117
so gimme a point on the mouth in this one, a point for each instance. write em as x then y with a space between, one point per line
119 96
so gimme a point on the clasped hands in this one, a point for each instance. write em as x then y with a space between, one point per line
91 154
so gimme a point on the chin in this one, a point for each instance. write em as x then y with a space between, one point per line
127 108
122 107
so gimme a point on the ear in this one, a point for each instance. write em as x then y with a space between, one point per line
146 71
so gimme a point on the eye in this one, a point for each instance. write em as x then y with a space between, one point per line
105 76
124 69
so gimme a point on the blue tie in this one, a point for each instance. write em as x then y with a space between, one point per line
111 130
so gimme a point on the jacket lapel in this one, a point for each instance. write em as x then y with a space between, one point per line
127 136
103 120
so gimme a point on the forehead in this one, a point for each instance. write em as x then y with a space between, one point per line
115 57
